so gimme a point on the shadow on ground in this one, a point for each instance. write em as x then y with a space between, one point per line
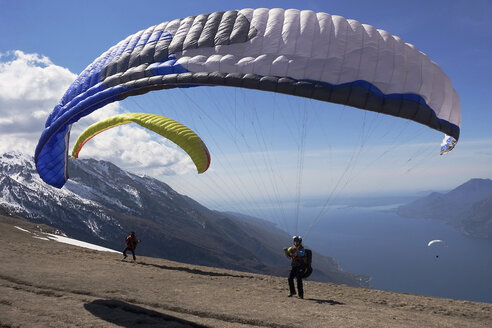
194 271
319 301
129 315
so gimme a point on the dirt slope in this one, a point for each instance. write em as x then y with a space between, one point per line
50 284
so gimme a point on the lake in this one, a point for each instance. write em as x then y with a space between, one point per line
394 252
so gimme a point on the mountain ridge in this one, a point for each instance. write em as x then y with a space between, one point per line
101 203
467 207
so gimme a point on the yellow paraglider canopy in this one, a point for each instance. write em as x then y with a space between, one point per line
166 127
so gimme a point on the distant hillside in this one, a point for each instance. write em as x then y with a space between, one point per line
101 203
467 207
479 219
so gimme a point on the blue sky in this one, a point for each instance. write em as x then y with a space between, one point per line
259 152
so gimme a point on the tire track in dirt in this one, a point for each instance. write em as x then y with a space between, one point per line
125 303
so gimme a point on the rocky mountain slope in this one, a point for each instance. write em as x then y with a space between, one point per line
101 203
467 207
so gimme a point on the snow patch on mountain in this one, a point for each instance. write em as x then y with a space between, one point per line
66 240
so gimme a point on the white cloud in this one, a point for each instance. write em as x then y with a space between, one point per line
31 77
31 85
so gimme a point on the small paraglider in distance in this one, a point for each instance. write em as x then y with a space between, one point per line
437 243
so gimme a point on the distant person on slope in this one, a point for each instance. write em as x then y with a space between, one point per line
131 244
297 254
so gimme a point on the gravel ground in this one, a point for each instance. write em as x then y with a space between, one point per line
49 284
